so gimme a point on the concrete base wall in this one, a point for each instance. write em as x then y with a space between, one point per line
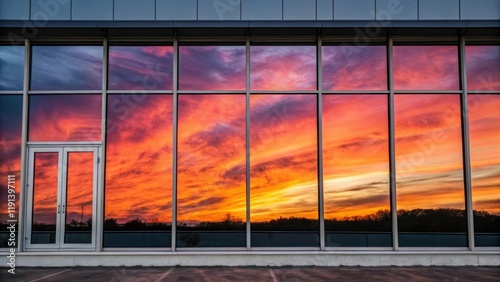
51 259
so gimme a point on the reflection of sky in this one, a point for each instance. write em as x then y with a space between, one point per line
45 184
211 157
483 67
66 68
355 155
65 118
11 67
484 124
283 156
354 67
140 67
10 144
426 68
212 68
428 151
283 67
79 191
139 158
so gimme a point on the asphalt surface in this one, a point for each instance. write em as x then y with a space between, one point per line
271 274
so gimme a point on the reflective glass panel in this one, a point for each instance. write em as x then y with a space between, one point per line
484 125
483 67
79 198
212 68
65 117
140 67
283 172
45 193
138 188
211 180
283 67
426 68
11 109
429 172
354 67
11 67
356 171
66 68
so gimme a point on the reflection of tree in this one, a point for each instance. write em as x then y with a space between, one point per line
485 222
111 224
378 221
81 225
432 220
417 220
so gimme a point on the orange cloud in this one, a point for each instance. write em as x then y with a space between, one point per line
211 180
65 118
355 155
428 151
283 157
138 158
484 122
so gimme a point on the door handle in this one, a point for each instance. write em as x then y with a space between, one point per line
63 209
59 209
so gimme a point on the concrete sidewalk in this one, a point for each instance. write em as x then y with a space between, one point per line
271 274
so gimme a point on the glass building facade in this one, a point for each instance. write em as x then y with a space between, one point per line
252 145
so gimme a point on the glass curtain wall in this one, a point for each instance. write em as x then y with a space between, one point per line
223 142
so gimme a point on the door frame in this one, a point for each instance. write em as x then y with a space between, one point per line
62 149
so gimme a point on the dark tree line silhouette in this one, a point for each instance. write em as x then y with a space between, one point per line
416 220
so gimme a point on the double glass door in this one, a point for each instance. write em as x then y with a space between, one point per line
62 190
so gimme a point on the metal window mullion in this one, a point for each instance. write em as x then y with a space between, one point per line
174 146
392 146
101 185
466 147
247 144
24 140
321 204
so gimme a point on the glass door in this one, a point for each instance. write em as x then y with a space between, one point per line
62 189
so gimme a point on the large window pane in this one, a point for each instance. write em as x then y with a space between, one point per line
66 68
283 67
138 188
430 191
11 67
211 190
65 117
11 109
356 171
426 68
284 182
484 130
483 67
354 67
212 68
140 67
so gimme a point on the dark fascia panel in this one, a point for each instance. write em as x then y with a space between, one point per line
259 24
19 30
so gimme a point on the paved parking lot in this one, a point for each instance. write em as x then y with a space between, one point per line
271 274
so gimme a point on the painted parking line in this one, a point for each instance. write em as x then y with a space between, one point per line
165 274
51 275
273 276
